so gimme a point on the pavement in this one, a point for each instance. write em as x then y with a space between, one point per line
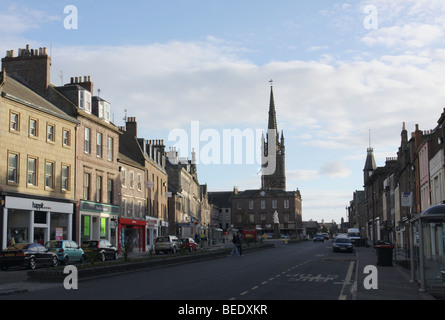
383 282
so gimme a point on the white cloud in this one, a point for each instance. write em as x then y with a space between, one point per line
335 169
414 35
16 19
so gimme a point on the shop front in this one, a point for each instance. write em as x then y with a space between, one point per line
35 220
98 221
151 231
132 233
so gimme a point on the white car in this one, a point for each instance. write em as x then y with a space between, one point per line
167 244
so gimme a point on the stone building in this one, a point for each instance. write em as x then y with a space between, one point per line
151 191
37 154
133 206
257 208
185 203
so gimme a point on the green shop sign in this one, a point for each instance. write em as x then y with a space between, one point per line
98 207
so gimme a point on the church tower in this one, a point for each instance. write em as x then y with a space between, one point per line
277 178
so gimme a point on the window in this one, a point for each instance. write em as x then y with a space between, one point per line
66 137
99 145
123 173
286 203
110 190
124 207
238 204
49 175
87 145
85 100
65 177
274 204
32 171
33 128
286 217
14 122
86 186
139 181
98 189
139 210
50 132
13 162
251 204
110 149
131 179
263 204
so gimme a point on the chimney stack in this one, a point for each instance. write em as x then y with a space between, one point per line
86 83
31 66
132 126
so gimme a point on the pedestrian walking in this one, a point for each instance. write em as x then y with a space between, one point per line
235 245
240 248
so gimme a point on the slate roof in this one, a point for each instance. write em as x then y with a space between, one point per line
15 90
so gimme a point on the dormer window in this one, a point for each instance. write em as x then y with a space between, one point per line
101 108
85 100
104 110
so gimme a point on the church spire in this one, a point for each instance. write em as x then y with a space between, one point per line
272 115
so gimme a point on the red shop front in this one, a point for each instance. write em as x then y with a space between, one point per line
132 231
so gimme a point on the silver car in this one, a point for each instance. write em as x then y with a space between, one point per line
167 244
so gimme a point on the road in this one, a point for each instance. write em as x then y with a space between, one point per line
302 271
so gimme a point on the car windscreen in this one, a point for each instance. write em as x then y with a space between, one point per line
53 244
342 241
354 234
162 239
90 244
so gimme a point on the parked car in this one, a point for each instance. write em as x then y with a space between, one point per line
167 244
29 255
189 244
66 250
342 244
318 237
102 248
325 236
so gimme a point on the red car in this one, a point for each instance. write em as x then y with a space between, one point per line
189 244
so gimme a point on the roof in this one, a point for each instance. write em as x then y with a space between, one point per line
260 193
221 199
16 91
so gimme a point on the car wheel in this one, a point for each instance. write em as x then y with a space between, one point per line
66 260
116 256
174 250
55 262
102 256
32 263
82 259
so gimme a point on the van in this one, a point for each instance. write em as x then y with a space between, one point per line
354 234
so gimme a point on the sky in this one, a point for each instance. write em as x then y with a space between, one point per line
346 76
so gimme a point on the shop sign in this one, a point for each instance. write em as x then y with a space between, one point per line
98 207
37 205
59 233
151 223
